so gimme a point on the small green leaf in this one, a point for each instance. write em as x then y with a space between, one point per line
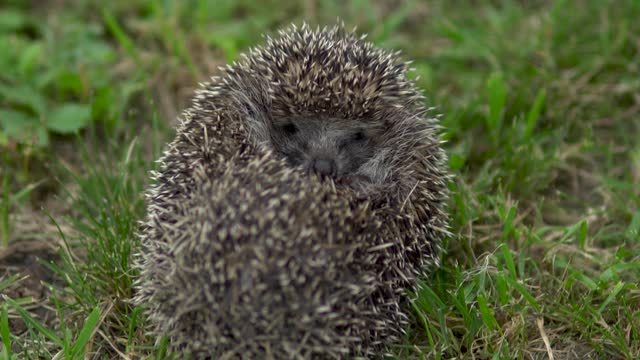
102 107
69 118
69 82
17 124
14 121
30 57
11 20
46 78
42 136
456 161
24 95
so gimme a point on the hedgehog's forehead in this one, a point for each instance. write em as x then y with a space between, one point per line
328 122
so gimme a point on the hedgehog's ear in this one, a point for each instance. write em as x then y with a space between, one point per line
251 97
254 116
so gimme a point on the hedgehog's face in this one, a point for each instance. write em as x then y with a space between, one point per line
327 147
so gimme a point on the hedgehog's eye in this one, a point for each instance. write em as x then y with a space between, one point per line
354 139
289 129
358 136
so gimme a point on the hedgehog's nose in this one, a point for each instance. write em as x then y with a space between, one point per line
324 167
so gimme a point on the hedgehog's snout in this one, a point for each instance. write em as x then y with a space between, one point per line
324 167
329 148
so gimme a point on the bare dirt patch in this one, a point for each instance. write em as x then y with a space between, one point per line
26 260
34 244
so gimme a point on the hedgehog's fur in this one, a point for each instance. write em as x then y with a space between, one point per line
234 234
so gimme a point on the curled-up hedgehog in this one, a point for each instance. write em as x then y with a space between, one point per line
304 192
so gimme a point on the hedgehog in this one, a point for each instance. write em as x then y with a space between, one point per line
304 193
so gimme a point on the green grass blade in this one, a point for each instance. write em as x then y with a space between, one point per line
8 281
33 322
585 280
612 272
508 227
486 313
497 100
633 230
616 290
87 331
508 259
534 113
5 333
502 288
5 225
523 291
121 36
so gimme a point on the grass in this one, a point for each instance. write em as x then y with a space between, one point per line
540 102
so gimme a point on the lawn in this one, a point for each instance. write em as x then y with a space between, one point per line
541 110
